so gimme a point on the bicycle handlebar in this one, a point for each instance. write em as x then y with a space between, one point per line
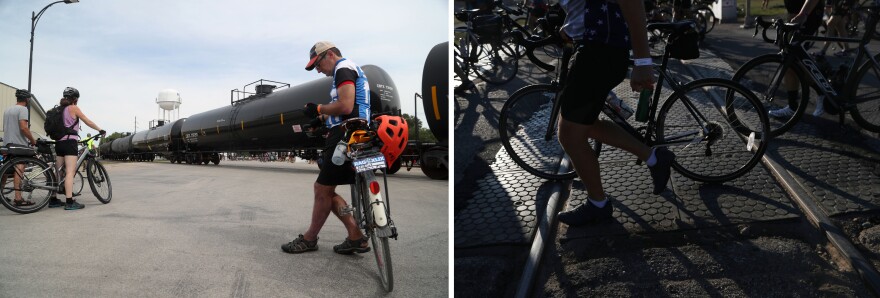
531 45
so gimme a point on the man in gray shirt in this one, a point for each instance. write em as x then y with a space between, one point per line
15 121
16 131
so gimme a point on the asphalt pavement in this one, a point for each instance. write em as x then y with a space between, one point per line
177 230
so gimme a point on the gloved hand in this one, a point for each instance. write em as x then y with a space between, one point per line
311 110
102 132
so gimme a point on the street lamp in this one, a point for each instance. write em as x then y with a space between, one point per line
35 17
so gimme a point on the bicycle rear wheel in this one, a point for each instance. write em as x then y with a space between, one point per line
866 97
99 181
383 260
757 75
496 63
78 182
522 127
35 185
722 126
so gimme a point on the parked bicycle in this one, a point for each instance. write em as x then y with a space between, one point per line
371 209
717 128
480 48
857 89
37 182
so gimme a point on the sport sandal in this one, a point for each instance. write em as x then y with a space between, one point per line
300 245
350 246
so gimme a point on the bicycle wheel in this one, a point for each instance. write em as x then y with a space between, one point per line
865 97
383 260
522 126
758 75
78 182
99 181
35 184
722 128
711 20
496 63
380 243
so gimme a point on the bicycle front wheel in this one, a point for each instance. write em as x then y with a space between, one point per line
496 63
865 97
99 181
758 75
29 179
718 129
522 128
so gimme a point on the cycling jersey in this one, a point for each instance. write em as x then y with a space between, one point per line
604 23
347 72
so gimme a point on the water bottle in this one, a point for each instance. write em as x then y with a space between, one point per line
619 107
339 154
644 103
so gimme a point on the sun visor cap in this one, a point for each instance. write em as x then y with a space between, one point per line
316 51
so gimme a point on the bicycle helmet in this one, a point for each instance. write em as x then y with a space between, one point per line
71 92
22 94
394 134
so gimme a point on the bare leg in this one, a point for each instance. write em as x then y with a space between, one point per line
354 232
573 138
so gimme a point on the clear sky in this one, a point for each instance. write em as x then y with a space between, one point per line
121 53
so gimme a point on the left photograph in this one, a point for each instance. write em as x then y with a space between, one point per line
213 148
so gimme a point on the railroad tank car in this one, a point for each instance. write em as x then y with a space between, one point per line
139 150
158 140
271 121
121 148
434 160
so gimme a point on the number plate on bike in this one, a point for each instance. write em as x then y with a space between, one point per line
369 163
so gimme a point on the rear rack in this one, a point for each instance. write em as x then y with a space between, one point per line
261 88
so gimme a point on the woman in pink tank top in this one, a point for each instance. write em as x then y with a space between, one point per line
66 147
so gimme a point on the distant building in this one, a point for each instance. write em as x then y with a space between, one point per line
38 114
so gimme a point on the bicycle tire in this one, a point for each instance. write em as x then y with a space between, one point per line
99 181
711 20
78 183
521 127
37 184
496 63
727 107
383 261
380 246
865 97
757 74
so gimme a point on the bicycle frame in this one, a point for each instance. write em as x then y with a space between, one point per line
56 172
793 53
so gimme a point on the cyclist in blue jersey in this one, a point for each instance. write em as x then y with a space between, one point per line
350 98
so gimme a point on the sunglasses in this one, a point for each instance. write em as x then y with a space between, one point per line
317 62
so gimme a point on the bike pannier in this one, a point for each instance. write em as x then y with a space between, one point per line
686 45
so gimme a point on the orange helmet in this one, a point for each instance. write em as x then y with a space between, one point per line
394 134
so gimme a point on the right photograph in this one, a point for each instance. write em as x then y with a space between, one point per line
683 148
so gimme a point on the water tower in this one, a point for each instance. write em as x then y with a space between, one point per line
169 105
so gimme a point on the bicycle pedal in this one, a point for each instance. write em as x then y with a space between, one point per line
347 210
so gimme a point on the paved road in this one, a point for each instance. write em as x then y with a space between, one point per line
216 231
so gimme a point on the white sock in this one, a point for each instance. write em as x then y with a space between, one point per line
653 159
600 204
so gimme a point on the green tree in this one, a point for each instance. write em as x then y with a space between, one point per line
424 133
112 137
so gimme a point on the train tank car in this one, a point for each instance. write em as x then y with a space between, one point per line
435 98
158 141
271 120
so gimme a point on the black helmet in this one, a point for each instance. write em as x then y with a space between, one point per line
22 94
71 92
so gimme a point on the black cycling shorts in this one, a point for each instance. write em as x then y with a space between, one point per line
66 147
332 174
594 71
